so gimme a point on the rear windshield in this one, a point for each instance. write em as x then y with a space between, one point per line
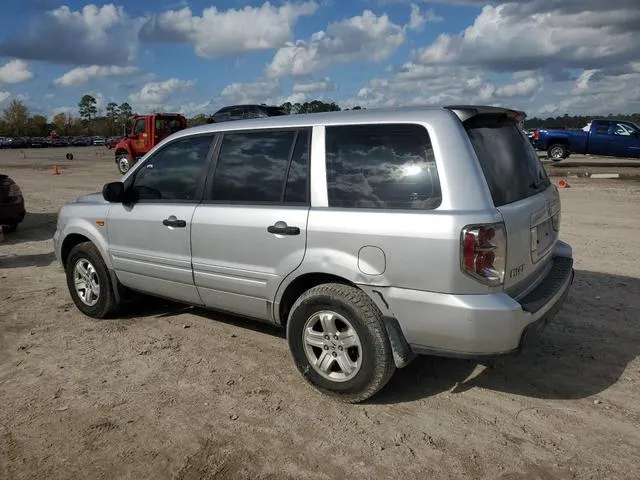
510 163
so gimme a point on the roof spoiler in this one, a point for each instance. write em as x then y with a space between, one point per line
465 112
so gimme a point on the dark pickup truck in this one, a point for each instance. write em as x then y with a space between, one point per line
612 138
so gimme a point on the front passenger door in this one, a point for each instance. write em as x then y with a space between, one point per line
150 238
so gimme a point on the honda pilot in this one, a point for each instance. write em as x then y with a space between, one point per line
371 236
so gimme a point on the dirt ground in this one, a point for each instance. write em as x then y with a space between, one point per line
173 392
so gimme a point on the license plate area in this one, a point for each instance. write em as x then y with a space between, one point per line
543 237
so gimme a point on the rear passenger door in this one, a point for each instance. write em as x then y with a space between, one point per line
250 231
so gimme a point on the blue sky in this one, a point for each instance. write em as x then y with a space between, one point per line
547 57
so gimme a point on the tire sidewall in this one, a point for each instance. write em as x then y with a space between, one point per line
128 161
564 152
297 320
86 252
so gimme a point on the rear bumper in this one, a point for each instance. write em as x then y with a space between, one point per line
12 212
479 325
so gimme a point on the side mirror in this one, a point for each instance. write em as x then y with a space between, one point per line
113 192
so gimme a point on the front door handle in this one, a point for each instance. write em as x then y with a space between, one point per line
172 221
281 228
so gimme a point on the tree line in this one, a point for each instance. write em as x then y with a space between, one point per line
577 121
17 121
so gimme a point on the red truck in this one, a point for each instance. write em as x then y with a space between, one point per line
147 132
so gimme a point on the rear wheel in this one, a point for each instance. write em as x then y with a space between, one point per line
339 342
557 152
124 163
10 226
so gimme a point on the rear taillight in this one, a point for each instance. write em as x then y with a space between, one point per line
484 249
14 190
536 134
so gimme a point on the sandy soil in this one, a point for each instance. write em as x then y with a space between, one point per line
173 392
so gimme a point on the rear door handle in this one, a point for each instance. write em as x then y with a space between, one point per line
281 228
172 221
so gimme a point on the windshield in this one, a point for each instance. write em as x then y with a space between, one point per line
509 162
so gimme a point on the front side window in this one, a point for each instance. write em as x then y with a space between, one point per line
381 166
174 172
623 129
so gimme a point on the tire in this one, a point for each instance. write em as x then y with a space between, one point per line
124 163
10 226
105 304
557 152
345 310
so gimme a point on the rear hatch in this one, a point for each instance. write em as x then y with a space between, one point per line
522 192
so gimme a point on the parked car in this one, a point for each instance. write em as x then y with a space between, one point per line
98 141
244 112
603 137
113 141
12 210
371 236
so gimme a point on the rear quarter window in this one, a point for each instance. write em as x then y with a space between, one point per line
510 164
381 166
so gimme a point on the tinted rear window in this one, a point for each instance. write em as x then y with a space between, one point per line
510 163
381 166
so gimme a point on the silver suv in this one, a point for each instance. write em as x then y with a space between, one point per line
371 235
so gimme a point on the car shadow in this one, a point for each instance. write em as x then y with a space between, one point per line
148 306
34 228
582 352
20 261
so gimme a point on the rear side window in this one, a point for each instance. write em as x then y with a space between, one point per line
381 166
509 162
253 167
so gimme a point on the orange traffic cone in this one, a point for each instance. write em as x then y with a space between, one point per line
55 170
562 183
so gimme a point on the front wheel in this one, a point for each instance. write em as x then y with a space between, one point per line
88 281
124 163
339 343
557 152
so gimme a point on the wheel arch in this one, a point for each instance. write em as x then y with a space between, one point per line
402 353
76 237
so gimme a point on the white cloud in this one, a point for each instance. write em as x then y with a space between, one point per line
65 110
4 96
525 87
417 19
81 75
16 71
157 94
252 92
216 33
296 97
92 35
582 83
505 38
365 36
322 86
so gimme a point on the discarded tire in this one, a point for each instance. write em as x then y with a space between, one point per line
69 156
